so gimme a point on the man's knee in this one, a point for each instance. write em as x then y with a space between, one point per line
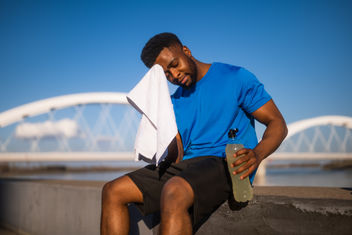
111 191
121 190
177 194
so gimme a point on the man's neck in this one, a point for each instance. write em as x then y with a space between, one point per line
202 69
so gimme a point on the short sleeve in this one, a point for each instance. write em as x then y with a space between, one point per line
252 94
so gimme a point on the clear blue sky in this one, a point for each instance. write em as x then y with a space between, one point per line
300 50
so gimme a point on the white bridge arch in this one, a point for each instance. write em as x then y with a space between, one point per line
106 100
59 102
299 126
297 129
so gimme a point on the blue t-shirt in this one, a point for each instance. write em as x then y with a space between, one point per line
222 100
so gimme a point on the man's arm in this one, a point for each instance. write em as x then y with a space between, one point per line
175 149
275 133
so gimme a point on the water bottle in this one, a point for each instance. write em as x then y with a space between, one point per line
242 189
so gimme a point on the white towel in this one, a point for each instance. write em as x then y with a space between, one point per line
158 127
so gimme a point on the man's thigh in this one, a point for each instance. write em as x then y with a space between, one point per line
211 184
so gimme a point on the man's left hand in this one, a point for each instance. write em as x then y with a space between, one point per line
250 160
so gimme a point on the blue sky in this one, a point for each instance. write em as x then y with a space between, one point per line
300 50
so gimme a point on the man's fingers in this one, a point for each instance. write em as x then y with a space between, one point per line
246 166
246 174
247 162
239 161
241 152
244 154
243 168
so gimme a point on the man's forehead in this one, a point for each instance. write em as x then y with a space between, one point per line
166 56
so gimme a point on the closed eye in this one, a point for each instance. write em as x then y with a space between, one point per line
173 64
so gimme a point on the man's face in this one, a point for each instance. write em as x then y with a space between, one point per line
178 66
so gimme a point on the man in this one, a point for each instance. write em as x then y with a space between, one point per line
194 181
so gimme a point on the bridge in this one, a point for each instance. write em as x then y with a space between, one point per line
325 137
102 126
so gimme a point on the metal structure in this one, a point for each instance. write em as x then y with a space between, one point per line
326 137
47 105
102 126
77 127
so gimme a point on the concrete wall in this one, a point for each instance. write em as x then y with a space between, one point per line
73 207
39 207
57 207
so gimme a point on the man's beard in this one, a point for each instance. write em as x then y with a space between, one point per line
193 73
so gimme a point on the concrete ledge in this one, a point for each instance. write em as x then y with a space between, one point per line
73 207
287 210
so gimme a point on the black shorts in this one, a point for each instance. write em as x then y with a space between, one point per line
208 177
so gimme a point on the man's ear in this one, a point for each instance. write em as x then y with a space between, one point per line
187 51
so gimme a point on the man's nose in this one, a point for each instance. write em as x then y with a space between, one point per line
175 73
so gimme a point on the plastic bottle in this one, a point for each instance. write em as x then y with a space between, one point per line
242 189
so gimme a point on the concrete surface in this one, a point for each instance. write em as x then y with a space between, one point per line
73 207
287 210
4 231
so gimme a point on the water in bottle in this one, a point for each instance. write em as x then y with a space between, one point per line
242 189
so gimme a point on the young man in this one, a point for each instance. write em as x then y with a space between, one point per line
194 181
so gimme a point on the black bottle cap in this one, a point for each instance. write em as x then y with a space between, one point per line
232 133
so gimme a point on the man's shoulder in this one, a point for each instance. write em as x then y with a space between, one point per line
225 66
239 70
230 69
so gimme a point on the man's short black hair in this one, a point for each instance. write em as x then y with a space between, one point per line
154 46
